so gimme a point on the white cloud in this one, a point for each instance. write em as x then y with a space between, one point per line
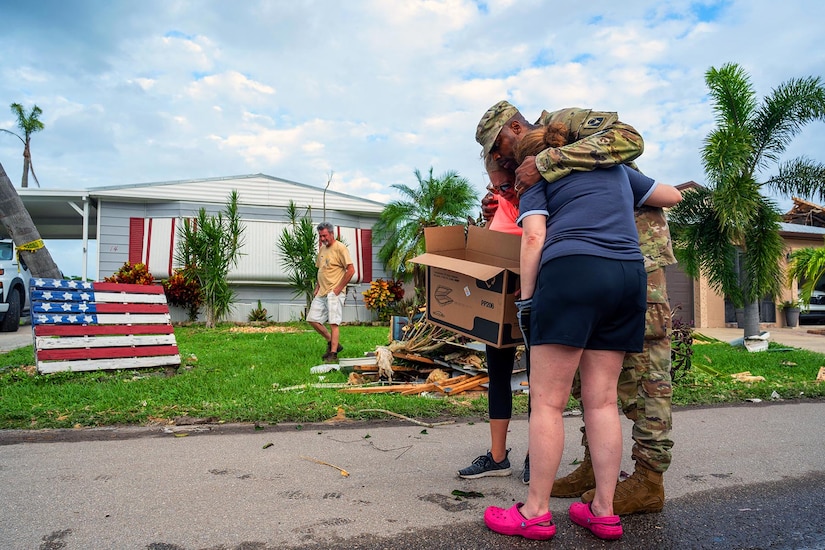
231 83
145 83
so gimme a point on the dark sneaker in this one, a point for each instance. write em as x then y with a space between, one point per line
525 473
330 357
485 466
329 348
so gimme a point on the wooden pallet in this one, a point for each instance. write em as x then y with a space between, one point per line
85 326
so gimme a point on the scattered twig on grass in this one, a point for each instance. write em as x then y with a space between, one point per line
414 421
319 386
343 471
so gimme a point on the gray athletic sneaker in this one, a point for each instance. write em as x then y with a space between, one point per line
485 466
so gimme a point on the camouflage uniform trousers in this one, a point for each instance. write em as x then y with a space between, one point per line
644 388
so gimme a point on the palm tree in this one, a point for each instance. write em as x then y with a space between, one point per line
209 247
729 231
446 200
19 225
298 245
806 265
29 124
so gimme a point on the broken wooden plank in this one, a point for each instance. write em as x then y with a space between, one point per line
416 358
379 389
420 388
433 386
471 382
374 368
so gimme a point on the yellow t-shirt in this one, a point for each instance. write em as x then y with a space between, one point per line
332 263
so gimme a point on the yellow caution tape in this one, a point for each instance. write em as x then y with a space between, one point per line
32 246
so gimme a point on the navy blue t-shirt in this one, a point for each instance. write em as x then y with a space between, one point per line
590 213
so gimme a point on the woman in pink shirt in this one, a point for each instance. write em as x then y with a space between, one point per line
503 206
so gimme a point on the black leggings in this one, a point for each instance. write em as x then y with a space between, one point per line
500 370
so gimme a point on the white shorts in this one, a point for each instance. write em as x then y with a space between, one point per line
329 308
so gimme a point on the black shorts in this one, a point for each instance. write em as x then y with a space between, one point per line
590 302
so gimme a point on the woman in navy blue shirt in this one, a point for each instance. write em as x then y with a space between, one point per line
582 269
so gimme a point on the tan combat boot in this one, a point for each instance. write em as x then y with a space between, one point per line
576 482
642 492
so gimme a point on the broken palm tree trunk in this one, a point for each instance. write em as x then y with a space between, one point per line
20 227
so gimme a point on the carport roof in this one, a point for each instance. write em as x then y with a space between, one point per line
58 213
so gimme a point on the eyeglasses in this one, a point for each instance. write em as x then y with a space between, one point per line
503 188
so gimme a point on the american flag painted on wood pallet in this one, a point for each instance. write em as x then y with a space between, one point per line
83 326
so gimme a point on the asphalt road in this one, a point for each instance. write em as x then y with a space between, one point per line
749 476
745 477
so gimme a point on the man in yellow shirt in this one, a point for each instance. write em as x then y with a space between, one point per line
335 270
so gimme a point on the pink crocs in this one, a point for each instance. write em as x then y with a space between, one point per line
607 527
511 522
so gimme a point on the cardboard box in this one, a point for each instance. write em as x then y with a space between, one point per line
471 283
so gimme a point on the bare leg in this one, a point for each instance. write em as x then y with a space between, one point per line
334 336
600 373
551 376
321 329
498 438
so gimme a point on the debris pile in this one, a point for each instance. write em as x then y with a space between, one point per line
426 360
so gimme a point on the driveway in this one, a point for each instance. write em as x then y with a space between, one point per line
809 337
12 340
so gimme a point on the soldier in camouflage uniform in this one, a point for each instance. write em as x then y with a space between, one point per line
600 140
645 389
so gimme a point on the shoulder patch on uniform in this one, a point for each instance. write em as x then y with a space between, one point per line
594 122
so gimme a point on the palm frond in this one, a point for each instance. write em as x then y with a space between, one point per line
726 153
800 177
736 203
764 249
437 201
734 99
806 265
783 114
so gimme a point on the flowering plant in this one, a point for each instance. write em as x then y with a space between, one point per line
184 292
382 295
137 274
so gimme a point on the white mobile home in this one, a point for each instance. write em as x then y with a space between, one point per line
138 223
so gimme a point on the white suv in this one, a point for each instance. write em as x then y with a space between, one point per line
14 287
815 311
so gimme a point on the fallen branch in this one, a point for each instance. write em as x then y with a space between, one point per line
343 471
414 421
379 389
319 386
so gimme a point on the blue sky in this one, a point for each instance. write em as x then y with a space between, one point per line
149 91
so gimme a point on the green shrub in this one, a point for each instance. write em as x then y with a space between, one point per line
258 314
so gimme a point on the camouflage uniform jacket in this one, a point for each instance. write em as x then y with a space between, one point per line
599 140
657 249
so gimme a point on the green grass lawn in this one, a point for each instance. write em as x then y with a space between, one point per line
233 376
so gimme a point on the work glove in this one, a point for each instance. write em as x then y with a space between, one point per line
524 309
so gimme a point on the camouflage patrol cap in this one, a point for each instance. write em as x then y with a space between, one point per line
491 124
